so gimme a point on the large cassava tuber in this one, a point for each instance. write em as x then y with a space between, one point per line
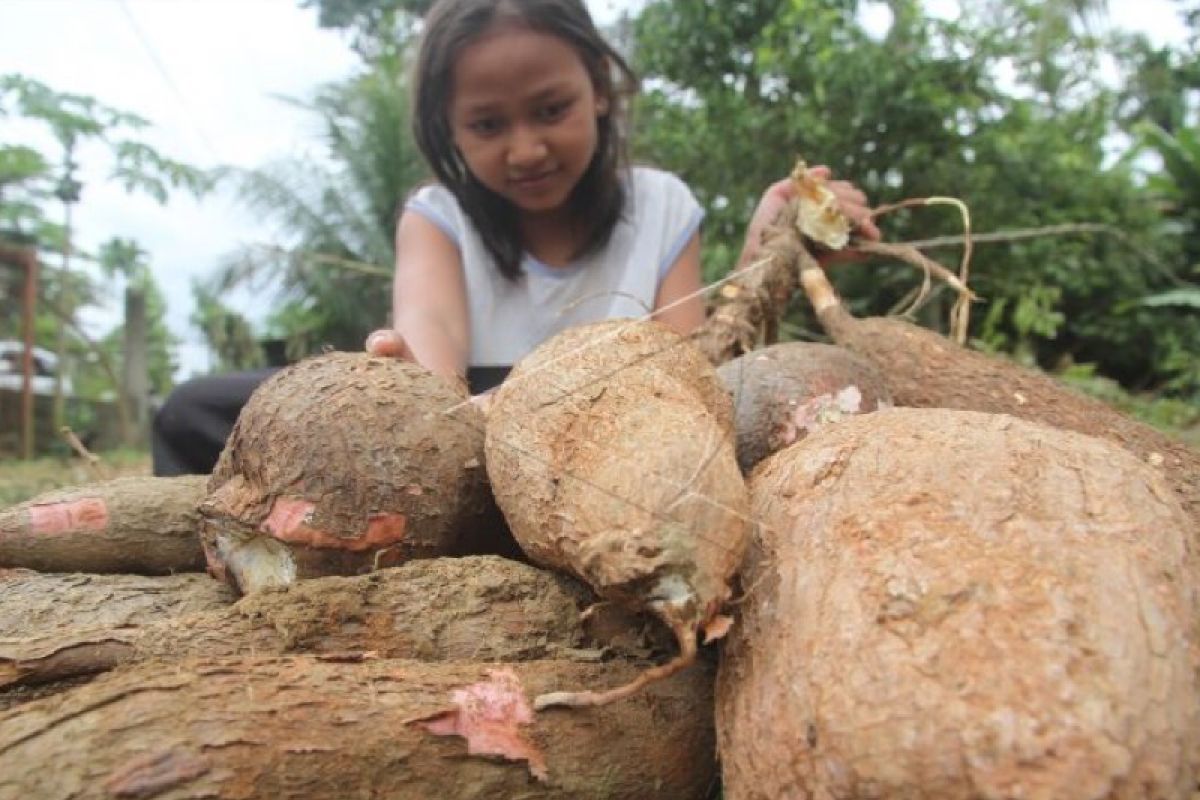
921 368
313 728
783 392
610 450
139 525
442 609
341 464
947 604
926 370
39 607
37 604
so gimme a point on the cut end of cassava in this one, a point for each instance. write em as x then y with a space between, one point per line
819 216
676 607
686 657
246 561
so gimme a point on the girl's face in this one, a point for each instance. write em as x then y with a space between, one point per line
523 116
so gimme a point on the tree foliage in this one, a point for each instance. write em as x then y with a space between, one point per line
229 335
336 213
33 187
378 28
74 118
1000 106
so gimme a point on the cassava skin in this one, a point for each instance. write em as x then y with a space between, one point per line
310 728
14 696
42 607
137 525
925 370
444 609
37 604
610 450
948 604
921 368
784 391
341 464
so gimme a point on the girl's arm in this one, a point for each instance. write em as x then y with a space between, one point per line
679 304
429 301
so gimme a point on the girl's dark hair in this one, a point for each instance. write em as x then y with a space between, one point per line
598 199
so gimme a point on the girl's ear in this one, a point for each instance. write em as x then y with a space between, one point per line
602 105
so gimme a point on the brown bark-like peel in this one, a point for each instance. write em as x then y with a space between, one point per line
312 728
947 604
133 525
341 464
925 370
438 609
39 604
610 451
783 392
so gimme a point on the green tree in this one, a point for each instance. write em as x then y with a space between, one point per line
22 172
1018 126
73 119
1158 87
229 335
31 181
378 28
332 265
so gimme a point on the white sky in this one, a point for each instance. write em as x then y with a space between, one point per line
204 73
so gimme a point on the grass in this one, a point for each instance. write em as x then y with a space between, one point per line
21 480
1177 418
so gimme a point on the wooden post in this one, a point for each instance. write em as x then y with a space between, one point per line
136 377
25 258
66 299
27 314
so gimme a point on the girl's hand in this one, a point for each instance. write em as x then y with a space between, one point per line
851 201
388 344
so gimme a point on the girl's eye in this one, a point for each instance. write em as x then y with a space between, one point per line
487 126
553 111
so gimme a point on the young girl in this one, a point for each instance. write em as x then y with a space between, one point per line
536 222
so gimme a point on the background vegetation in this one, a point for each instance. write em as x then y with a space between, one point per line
1078 145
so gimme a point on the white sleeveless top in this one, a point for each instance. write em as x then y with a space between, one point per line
508 319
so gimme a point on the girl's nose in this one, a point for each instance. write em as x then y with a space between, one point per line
527 147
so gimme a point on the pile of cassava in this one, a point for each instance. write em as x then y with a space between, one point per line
935 574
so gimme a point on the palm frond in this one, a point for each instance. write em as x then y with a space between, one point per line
1178 298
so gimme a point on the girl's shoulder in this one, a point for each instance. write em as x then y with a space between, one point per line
660 198
647 181
431 193
438 205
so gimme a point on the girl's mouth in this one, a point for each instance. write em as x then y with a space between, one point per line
534 181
